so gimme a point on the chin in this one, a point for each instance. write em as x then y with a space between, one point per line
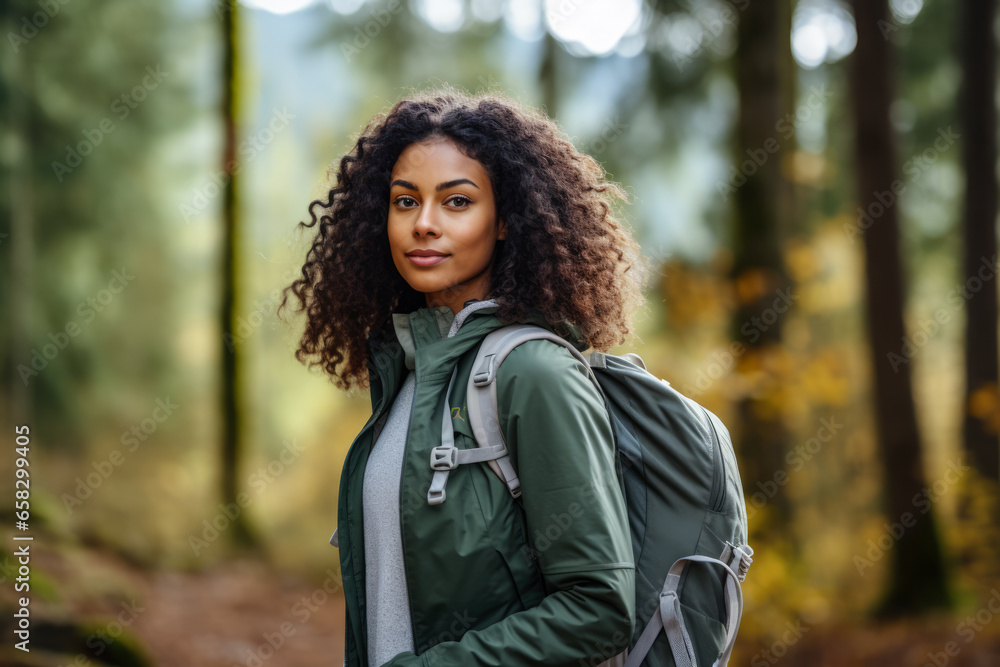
423 285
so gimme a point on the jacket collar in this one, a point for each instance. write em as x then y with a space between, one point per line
428 325
414 331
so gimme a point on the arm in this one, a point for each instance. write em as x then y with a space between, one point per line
560 439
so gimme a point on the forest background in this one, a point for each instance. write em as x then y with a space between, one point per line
814 180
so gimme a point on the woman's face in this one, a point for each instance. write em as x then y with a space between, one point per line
442 223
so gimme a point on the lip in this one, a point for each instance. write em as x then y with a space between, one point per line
426 257
425 252
427 260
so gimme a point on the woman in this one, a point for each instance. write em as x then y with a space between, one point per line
452 216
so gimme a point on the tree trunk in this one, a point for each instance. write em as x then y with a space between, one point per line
978 117
917 580
548 76
22 225
232 436
762 207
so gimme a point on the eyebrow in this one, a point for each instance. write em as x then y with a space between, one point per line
439 188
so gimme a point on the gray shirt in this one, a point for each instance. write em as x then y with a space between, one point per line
389 628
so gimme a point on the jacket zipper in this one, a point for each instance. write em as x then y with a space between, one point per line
717 497
406 446
379 413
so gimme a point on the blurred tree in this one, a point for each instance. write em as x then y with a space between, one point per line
917 579
86 99
979 117
82 208
548 75
764 73
77 128
231 385
18 215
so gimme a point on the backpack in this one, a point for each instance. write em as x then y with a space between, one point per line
678 474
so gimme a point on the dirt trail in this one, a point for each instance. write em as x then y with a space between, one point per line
240 614
247 614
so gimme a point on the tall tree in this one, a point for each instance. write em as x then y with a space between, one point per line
230 355
548 75
978 118
19 235
918 578
763 209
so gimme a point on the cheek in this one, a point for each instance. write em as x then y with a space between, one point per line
476 242
395 237
485 245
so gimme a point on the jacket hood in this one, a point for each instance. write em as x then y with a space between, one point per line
428 325
446 322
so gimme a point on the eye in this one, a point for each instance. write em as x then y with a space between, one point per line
459 201
400 200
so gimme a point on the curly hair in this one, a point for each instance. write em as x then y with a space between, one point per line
565 255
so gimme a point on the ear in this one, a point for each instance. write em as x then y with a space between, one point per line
502 232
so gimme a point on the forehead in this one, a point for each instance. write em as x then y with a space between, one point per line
434 157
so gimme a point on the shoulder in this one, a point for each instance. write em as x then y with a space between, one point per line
541 363
542 379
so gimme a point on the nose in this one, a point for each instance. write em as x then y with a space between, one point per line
426 224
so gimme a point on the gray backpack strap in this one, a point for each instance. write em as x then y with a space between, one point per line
668 615
446 457
482 392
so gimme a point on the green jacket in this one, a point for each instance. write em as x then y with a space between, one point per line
491 582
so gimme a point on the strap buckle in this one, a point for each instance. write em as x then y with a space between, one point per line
484 375
444 458
741 560
435 496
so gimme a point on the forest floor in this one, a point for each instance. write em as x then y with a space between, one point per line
246 614
243 614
